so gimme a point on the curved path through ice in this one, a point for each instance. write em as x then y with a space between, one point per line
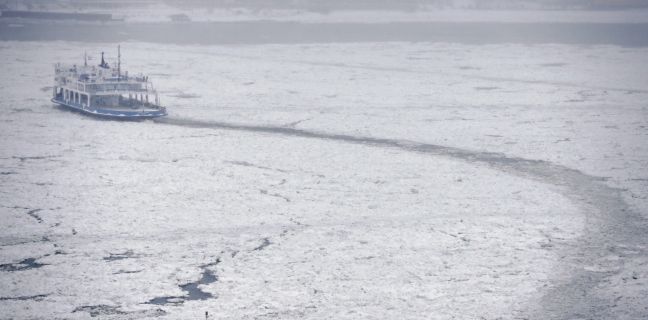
586 283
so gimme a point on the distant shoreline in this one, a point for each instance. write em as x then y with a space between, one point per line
266 32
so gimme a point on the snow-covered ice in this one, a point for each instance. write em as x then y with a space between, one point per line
377 180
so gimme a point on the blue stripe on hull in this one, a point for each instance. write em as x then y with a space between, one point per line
114 114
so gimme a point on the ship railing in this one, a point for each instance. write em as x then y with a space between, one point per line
123 92
93 91
114 87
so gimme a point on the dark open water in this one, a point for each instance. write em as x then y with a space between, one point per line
628 34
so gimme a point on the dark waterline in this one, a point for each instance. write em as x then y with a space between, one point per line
262 32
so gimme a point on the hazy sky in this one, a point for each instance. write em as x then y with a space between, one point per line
473 4
351 4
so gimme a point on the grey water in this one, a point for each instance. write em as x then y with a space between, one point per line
26 264
191 289
259 32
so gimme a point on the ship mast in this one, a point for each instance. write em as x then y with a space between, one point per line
118 63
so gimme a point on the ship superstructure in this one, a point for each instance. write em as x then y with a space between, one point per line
106 91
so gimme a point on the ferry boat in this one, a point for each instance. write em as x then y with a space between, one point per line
106 92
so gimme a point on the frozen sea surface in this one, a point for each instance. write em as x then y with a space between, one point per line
375 180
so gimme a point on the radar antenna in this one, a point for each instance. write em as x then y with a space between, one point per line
103 62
